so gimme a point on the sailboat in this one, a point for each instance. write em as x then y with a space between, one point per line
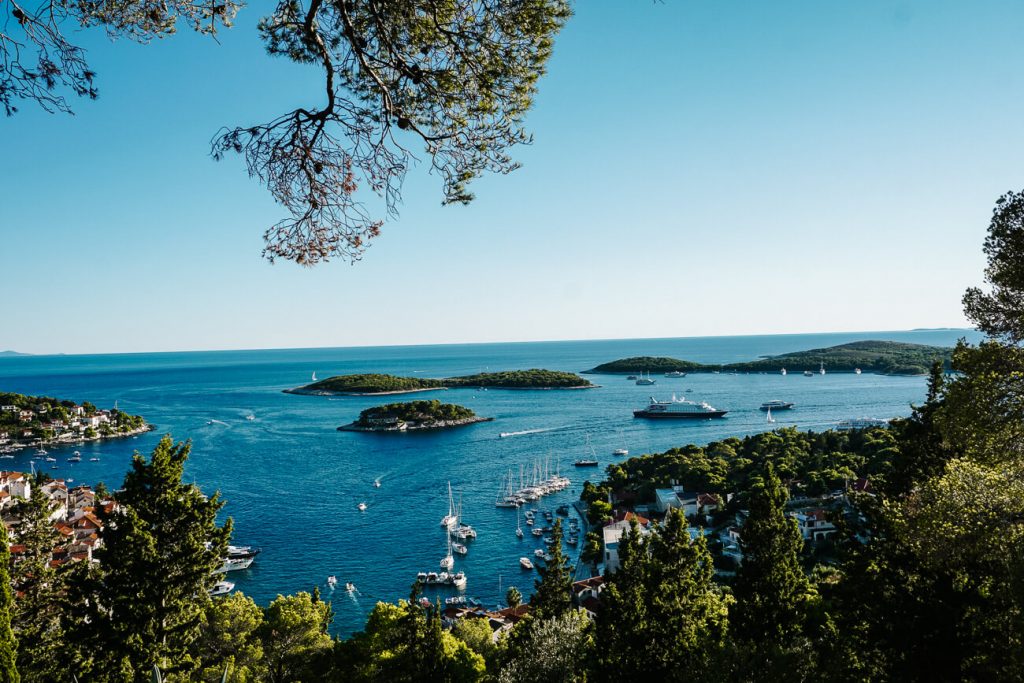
856 371
519 529
821 371
314 376
782 371
771 419
451 519
448 561
645 381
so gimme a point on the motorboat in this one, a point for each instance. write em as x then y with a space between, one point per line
455 600
856 371
250 417
221 588
620 451
630 377
94 459
808 373
537 532
538 553
586 463
777 405
350 587
361 506
675 373
460 548
525 563
376 483
332 581
782 371
678 409
234 564
51 459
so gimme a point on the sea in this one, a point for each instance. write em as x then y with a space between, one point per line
293 482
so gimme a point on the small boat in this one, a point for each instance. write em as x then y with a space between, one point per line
856 371
376 483
314 376
586 463
630 377
42 451
53 467
221 588
808 373
460 548
525 563
451 519
361 506
782 371
94 459
777 405
821 371
51 459
75 458
771 420
448 561
538 553
6 457
332 581
519 529
620 451
572 540
250 417
455 600
537 532
675 373
350 587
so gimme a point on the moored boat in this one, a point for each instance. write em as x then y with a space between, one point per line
525 563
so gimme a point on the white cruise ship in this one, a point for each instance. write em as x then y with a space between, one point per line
678 408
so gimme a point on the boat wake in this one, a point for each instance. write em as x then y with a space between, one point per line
505 435
218 422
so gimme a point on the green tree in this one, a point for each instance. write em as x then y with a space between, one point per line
477 634
161 548
294 637
1000 312
230 638
552 594
556 648
37 615
661 612
8 644
513 597
773 595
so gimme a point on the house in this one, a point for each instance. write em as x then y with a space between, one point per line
89 421
814 524
8 409
676 497
16 484
586 595
26 415
611 535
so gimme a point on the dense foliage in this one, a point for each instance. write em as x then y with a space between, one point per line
417 412
510 379
884 357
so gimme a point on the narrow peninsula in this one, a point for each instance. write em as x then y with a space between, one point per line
37 421
412 416
377 384
881 357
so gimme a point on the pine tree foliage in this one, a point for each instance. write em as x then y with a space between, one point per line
552 595
8 644
161 548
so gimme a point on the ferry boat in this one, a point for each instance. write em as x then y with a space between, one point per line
777 405
675 373
677 409
525 563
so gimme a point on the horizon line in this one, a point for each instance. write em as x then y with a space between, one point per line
6 354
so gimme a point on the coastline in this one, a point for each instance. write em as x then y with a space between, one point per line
14 447
302 391
414 426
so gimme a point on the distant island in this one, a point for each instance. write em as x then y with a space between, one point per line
413 415
4 354
39 421
370 384
882 357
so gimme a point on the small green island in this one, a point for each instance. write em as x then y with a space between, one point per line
412 416
370 384
35 421
881 357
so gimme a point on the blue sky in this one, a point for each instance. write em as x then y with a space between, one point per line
699 168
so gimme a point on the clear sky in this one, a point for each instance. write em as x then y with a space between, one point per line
699 168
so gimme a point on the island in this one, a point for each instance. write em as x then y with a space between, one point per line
378 384
36 421
881 357
411 416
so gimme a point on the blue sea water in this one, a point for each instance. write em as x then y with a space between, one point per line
292 481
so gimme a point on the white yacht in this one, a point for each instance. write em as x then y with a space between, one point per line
525 563
221 588
675 373
361 506
350 587
234 564
678 408
782 371
856 371
451 519
620 451
332 581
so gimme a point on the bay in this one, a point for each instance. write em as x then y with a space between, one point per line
293 483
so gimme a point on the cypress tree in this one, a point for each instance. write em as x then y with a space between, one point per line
772 592
37 617
552 596
161 548
8 645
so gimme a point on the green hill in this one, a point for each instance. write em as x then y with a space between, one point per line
884 357
391 384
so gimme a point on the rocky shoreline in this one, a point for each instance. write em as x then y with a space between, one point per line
413 426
